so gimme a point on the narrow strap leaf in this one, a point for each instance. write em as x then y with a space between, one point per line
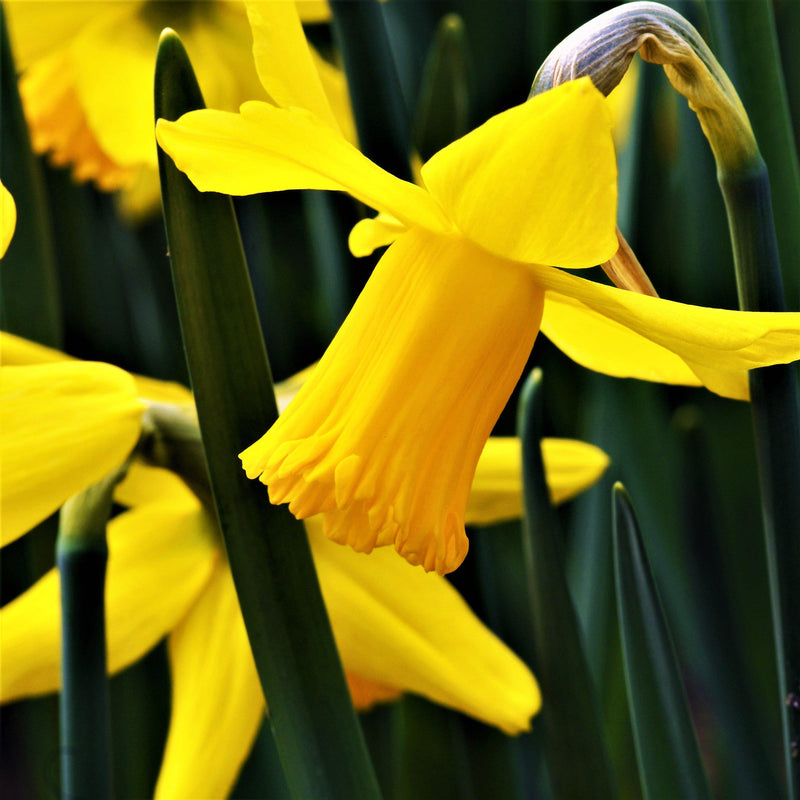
575 747
378 104
666 746
442 113
317 734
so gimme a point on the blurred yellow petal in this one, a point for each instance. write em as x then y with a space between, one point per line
314 11
217 703
65 425
366 694
145 484
160 559
8 219
59 125
536 183
604 327
269 149
622 101
39 28
374 232
456 327
399 627
283 59
163 391
570 466
16 351
116 51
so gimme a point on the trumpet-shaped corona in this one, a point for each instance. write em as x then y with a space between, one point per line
452 341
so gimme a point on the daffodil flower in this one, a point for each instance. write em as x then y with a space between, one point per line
397 628
76 56
384 437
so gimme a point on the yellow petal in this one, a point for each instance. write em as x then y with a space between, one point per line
59 125
39 28
314 11
570 466
65 425
400 627
633 335
622 101
8 219
145 484
537 183
160 558
372 233
385 435
283 59
163 391
217 703
269 149
116 51
16 351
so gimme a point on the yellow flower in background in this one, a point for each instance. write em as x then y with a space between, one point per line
64 427
397 628
87 78
8 219
384 437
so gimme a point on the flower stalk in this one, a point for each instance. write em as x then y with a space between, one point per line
85 722
603 49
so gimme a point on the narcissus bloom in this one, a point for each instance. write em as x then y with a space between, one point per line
76 57
384 437
397 629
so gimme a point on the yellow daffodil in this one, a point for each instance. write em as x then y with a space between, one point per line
8 219
397 628
87 78
384 437
65 426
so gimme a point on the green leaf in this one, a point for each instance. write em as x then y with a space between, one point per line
442 114
316 731
380 113
574 740
721 669
666 746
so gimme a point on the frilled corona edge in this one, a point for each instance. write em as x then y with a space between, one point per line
384 438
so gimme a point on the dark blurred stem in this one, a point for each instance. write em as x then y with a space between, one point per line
776 419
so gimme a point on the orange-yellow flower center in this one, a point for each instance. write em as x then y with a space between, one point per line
385 436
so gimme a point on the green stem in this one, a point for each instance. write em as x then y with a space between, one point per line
84 708
81 557
746 35
775 405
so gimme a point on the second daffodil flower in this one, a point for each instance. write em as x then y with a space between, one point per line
384 438
397 629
